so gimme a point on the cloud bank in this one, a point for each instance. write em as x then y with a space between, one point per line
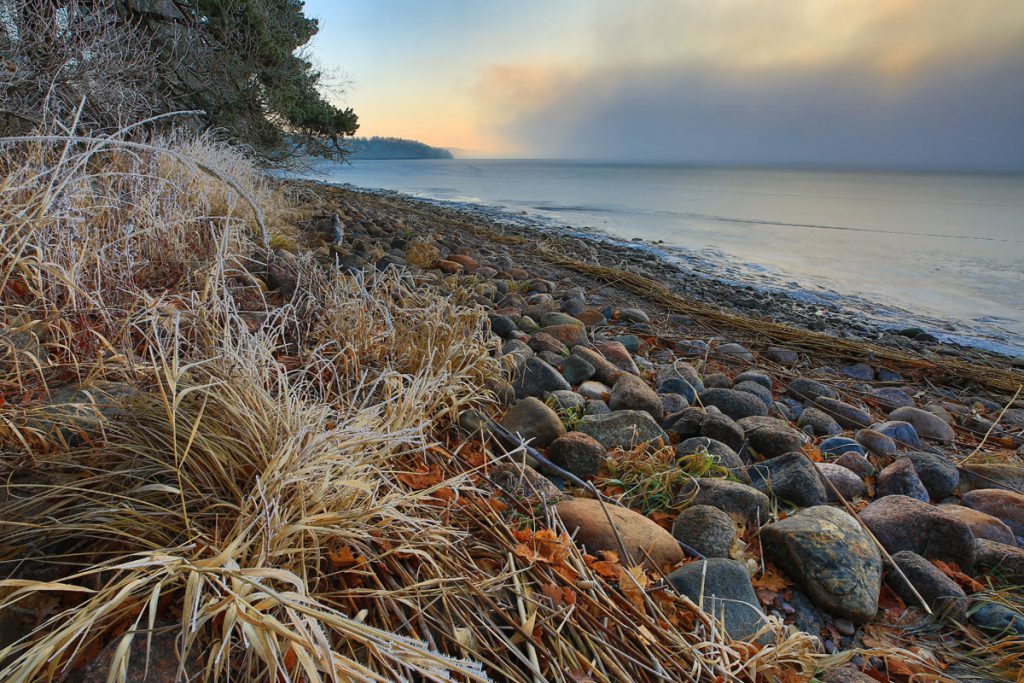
898 83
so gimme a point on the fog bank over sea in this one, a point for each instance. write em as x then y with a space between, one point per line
941 251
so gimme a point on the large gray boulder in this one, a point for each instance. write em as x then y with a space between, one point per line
825 550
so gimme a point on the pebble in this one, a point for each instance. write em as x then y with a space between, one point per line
927 425
578 453
791 478
502 325
937 473
782 356
536 378
856 463
624 429
819 422
755 388
594 391
861 371
771 437
744 504
901 479
632 393
706 529
982 525
535 421
1006 562
722 587
724 456
904 523
891 397
616 354
604 371
672 403
940 592
754 376
838 445
576 370
733 403
736 351
718 380
564 400
569 335
809 390
715 425
876 442
849 485
1006 506
902 433
849 416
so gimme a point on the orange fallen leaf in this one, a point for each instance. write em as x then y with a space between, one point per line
890 604
812 451
422 478
770 580
607 568
663 519
559 594
632 583
543 546
769 585
344 558
952 571
903 666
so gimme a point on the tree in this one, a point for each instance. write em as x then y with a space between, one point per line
238 61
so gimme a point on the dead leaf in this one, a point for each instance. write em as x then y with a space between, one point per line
890 604
344 558
632 583
422 478
663 519
543 546
812 452
952 571
607 568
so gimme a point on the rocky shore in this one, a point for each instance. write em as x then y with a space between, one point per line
698 281
855 501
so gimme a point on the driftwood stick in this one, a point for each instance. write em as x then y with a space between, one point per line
995 423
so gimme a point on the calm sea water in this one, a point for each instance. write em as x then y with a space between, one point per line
940 250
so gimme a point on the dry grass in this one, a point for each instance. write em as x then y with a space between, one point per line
270 478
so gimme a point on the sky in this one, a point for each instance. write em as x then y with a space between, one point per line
858 83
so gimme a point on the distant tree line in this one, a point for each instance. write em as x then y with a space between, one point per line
108 63
394 148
